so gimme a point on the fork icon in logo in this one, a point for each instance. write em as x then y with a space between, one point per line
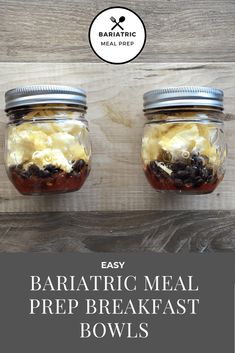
121 19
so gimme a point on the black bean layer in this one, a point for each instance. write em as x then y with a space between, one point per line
49 170
194 172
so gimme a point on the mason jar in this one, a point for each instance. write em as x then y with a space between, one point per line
47 145
183 145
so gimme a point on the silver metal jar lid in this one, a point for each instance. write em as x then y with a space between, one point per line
183 96
44 94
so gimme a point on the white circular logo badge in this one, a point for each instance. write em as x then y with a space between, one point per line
117 35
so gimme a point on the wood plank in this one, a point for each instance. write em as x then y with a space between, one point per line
117 182
161 231
178 30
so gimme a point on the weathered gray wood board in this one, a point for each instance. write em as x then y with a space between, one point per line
57 30
177 31
162 231
117 182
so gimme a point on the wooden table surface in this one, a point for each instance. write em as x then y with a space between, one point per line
177 30
189 43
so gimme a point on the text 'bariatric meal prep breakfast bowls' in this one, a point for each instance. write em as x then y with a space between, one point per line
48 148
183 146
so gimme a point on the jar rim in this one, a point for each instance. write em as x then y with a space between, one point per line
174 114
45 94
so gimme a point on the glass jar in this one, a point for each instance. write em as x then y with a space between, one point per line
183 145
47 145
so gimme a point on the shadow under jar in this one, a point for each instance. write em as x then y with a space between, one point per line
183 145
47 145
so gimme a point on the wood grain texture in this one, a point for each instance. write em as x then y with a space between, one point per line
117 182
57 30
169 231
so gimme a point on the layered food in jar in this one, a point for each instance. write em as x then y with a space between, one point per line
48 147
183 146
